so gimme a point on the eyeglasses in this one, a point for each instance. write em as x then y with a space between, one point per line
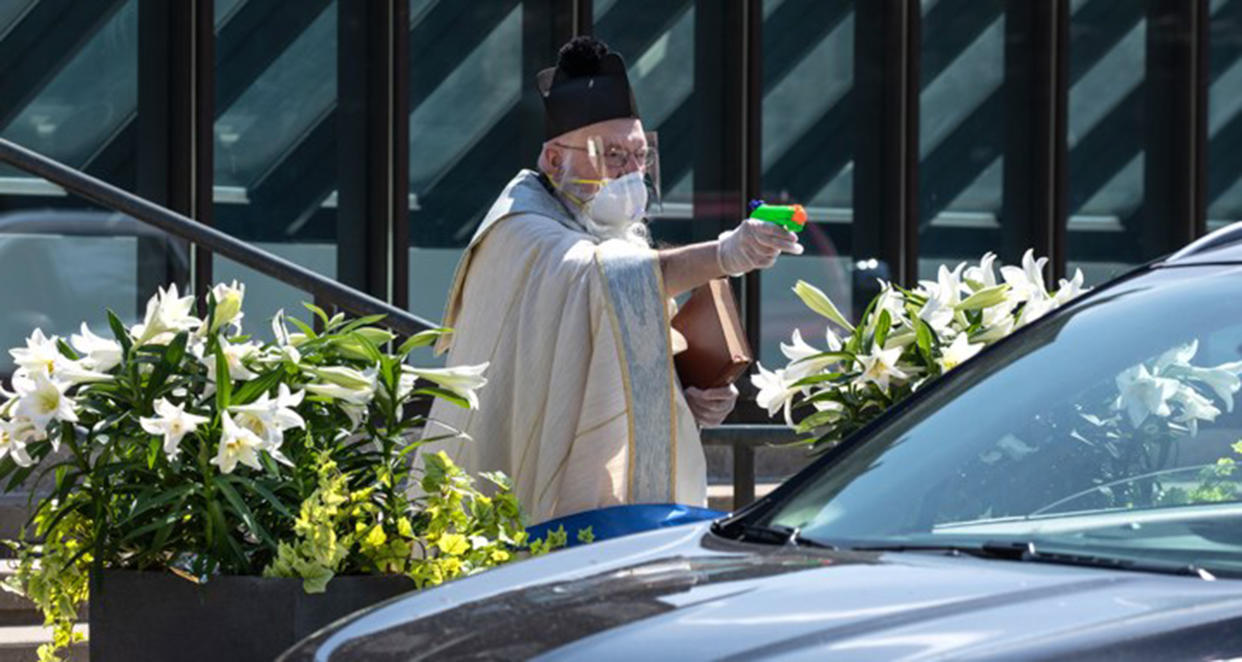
619 157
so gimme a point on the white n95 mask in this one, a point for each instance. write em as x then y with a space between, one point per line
620 202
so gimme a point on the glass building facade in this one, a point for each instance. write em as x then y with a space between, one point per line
365 139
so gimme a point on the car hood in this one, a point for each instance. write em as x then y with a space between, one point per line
686 593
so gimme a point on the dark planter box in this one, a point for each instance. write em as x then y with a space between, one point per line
158 616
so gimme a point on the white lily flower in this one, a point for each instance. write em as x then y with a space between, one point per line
938 314
880 367
1224 380
12 442
237 444
890 300
997 322
346 376
235 355
799 353
355 413
1068 290
1035 307
228 298
1143 394
42 399
1195 407
355 397
462 380
835 344
1026 282
269 418
958 351
284 341
798 349
346 384
279 332
172 423
775 392
40 354
287 400
950 282
943 296
74 372
1176 358
167 313
983 274
98 353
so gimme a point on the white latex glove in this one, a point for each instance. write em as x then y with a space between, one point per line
754 245
711 406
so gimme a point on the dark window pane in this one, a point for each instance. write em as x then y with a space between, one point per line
275 140
1224 185
74 260
466 136
82 99
656 38
962 128
1106 159
807 147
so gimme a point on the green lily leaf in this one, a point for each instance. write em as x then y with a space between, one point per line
422 339
224 384
816 300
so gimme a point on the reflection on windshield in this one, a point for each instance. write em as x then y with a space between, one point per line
1123 407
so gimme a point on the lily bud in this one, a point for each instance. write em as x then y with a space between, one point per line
228 300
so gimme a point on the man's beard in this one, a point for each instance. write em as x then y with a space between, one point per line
636 233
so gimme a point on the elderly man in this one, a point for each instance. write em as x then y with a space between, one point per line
561 295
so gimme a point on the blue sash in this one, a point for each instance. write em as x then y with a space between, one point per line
616 521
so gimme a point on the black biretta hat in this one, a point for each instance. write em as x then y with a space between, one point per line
587 85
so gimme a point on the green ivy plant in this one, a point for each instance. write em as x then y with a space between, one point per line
182 444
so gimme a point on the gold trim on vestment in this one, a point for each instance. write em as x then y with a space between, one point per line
672 381
618 341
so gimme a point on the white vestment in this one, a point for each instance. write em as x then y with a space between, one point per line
582 408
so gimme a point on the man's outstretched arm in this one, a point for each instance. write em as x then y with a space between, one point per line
751 245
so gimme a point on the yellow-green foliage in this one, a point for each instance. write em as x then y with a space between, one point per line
55 577
317 554
452 531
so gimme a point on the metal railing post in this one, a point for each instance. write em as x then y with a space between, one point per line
743 439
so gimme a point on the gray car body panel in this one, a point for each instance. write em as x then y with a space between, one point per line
685 593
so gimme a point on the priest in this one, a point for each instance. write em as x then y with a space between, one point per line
562 295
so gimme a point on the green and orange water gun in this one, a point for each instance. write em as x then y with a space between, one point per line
790 217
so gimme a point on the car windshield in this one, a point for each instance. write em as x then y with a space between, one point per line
1111 429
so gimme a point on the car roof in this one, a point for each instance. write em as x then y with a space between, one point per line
1222 246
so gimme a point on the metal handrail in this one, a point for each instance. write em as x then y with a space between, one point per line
111 197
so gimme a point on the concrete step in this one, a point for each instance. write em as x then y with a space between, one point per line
16 610
20 643
21 626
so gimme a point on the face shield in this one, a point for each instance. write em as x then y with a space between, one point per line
614 182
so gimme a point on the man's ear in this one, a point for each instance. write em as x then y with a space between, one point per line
553 161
